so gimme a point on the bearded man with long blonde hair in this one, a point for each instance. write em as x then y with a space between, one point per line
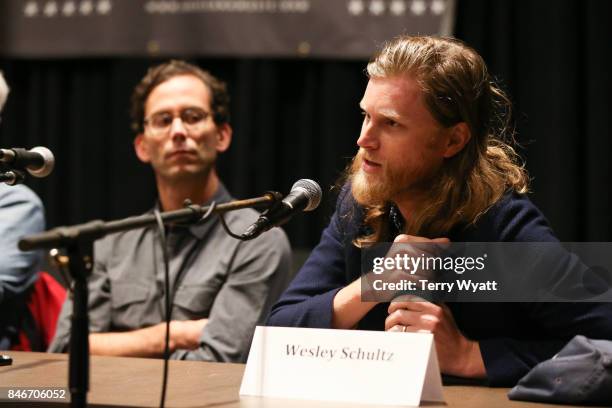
435 164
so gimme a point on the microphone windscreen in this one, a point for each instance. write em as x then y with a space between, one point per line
48 162
312 190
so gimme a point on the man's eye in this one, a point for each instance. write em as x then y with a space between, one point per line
392 123
193 116
163 120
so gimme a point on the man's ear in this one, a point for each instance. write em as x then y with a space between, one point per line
141 148
459 136
224 137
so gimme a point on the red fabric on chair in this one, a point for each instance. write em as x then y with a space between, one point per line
44 304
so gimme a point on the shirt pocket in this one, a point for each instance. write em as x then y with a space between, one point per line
194 301
128 301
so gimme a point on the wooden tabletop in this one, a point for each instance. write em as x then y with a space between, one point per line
136 382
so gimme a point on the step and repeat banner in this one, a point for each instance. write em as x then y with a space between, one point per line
257 28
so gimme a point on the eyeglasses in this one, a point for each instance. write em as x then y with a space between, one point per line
193 119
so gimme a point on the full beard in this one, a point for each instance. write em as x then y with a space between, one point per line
370 191
391 186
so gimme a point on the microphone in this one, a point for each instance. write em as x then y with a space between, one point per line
39 161
12 177
305 195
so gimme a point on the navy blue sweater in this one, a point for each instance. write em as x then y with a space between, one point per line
513 337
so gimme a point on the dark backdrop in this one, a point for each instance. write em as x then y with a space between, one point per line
300 118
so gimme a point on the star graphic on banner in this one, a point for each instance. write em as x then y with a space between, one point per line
50 9
398 7
30 9
104 7
418 7
377 7
355 7
438 7
86 7
69 8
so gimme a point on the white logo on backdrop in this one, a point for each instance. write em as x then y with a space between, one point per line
30 9
104 7
377 7
395 7
86 7
438 7
356 7
50 9
418 7
68 8
227 6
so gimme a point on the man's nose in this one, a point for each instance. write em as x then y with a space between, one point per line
177 128
368 138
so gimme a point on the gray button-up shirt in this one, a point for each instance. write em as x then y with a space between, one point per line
230 282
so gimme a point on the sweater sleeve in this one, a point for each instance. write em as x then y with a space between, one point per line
509 358
308 300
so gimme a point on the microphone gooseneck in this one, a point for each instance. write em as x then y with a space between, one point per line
38 161
305 195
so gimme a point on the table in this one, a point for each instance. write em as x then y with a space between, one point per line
136 382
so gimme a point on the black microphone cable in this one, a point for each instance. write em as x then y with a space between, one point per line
162 237
167 298
244 237
305 195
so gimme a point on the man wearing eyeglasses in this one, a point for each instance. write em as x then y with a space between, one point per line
220 287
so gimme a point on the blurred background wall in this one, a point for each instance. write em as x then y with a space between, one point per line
299 118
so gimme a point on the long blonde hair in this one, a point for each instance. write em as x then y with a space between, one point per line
457 88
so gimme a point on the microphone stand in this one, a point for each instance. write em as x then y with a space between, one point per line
80 265
12 177
78 241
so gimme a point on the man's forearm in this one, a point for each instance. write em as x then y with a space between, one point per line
147 342
348 309
150 341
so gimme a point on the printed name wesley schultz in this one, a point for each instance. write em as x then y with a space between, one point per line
345 353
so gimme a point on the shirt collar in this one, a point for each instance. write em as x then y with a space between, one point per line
396 219
200 230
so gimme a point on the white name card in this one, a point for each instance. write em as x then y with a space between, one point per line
343 365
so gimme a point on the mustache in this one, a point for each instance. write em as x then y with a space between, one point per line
359 159
356 163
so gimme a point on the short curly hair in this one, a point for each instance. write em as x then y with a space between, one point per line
156 75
